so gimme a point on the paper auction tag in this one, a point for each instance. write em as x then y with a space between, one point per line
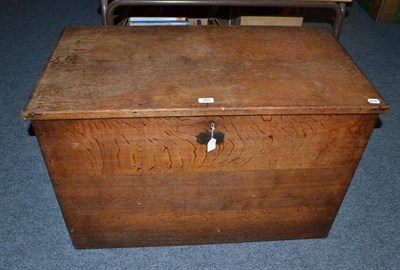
374 101
206 100
211 145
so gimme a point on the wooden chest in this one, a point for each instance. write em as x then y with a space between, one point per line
123 117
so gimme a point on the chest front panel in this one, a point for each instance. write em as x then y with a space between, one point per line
148 181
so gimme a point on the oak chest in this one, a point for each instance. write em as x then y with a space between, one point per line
190 135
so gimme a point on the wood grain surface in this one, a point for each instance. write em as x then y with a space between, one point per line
98 72
146 181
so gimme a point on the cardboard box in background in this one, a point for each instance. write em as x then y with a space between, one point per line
382 10
271 20
272 17
198 21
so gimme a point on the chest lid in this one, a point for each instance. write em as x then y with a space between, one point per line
110 72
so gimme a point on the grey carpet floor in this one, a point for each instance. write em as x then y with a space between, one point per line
33 235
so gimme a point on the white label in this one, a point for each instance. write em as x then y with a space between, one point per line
374 101
206 100
211 145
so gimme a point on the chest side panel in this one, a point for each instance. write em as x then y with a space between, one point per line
146 181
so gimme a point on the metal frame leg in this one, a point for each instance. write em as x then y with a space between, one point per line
342 7
103 10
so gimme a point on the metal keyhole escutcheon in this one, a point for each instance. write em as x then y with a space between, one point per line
204 137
